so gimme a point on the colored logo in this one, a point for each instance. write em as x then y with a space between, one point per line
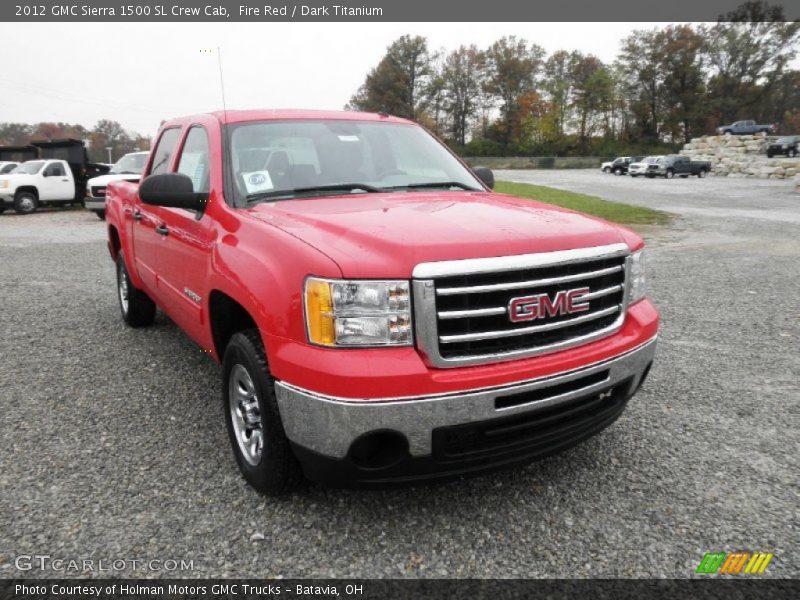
530 308
735 563
257 179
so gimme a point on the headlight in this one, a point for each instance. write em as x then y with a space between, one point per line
358 313
637 288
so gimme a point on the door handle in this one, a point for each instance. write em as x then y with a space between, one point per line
65 180
162 230
137 216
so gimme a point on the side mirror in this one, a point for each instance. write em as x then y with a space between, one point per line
173 190
485 175
46 173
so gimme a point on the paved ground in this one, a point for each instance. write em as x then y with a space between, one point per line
112 442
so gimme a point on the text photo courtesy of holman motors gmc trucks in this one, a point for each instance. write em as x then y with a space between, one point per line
381 316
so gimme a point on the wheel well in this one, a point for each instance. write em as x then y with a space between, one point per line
113 240
27 188
227 317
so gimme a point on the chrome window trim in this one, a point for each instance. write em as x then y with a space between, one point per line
424 300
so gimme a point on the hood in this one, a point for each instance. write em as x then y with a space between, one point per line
18 178
106 179
386 235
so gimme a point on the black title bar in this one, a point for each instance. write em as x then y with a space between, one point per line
258 11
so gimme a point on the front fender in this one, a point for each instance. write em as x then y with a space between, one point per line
264 269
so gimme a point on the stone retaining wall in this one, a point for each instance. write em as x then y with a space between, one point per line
742 156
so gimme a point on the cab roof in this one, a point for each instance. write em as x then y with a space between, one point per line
285 114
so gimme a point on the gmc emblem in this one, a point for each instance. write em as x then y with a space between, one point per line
530 308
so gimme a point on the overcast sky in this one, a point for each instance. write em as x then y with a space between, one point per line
139 74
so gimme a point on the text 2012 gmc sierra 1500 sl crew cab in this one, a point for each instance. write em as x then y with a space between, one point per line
380 314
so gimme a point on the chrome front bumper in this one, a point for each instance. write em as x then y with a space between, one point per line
329 425
91 203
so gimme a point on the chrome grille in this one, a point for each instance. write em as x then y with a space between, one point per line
99 191
462 309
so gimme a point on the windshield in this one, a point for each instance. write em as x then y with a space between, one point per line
652 160
278 159
29 168
130 164
786 140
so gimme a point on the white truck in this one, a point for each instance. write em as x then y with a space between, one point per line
58 177
127 168
37 182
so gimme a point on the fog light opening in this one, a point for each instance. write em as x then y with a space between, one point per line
379 450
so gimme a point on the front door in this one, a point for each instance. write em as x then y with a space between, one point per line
57 183
148 227
186 250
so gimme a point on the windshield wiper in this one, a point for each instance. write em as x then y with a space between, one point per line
344 187
436 184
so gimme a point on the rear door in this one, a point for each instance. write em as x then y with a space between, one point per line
56 182
148 231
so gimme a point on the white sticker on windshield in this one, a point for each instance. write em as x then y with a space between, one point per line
348 138
257 181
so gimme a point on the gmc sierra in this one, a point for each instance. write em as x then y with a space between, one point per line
380 314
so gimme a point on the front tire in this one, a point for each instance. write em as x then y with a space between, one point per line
670 174
101 214
26 203
255 429
137 309
701 173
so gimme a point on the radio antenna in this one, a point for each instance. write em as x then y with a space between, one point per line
222 83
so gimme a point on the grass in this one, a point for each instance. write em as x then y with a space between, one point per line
625 214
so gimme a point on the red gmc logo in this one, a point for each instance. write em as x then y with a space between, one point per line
530 308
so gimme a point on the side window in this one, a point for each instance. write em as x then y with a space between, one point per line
194 160
55 170
164 150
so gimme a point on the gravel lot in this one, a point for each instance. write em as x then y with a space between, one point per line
113 444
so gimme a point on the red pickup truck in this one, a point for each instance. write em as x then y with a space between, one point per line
381 316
